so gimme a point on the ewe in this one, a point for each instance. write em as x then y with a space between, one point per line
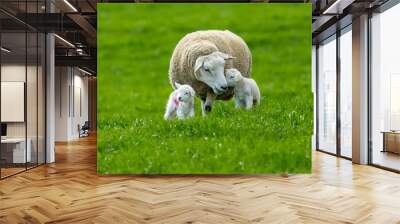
246 90
180 103
199 60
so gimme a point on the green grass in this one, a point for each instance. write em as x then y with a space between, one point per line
135 44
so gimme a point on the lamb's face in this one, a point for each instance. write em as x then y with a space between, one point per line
185 93
232 76
210 70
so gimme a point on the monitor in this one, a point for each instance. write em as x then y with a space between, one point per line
3 129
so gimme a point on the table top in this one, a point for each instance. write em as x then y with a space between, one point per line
13 140
391 132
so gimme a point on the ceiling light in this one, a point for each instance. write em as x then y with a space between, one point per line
65 41
70 5
84 71
337 7
79 51
5 50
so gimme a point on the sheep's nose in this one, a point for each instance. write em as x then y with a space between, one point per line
224 87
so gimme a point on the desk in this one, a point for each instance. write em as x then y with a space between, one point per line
391 141
15 148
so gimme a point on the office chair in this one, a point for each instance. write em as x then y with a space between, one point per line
84 130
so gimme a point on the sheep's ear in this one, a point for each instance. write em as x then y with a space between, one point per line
225 56
199 63
177 85
192 92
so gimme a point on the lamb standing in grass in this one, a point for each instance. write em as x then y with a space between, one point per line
246 91
180 103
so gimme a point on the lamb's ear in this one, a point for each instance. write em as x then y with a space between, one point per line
198 64
177 85
225 56
226 73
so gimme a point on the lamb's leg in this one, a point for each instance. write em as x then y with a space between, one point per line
169 112
249 102
237 103
180 114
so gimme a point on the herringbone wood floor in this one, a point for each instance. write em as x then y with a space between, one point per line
70 191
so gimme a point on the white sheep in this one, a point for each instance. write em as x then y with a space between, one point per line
180 103
245 90
199 60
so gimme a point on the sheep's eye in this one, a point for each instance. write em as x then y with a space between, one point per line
207 70
186 93
231 76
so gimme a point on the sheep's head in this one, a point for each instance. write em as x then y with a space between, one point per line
210 70
184 92
232 76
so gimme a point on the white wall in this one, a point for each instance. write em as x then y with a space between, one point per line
17 72
62 82
9 73
80 88
71 87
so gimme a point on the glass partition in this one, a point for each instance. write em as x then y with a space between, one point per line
22 77
327 95
14 153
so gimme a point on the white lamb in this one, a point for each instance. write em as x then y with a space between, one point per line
246 91
180 103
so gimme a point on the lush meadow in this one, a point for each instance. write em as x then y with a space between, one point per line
135 43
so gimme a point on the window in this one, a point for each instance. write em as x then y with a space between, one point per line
346 92
327 95
385 89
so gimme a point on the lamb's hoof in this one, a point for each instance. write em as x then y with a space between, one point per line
207 108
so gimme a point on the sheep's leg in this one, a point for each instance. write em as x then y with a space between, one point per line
209 100
203 102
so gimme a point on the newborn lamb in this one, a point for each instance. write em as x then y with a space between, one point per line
246 90
180 103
